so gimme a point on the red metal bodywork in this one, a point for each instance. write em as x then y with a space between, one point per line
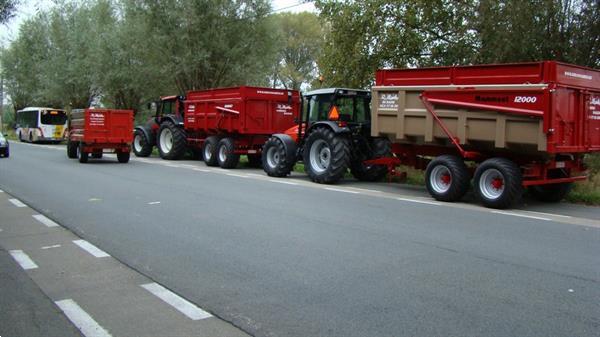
247 114
566 97
100 129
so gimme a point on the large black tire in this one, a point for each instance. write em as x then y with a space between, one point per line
21 137
209 151
171 141
498 183
226 157
83 156
274 158
552 192
123 157
141 145
447 178
326 155
254 160
71 149
97 155
380 147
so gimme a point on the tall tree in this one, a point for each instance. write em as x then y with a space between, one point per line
7 10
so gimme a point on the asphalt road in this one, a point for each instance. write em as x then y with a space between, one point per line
285 257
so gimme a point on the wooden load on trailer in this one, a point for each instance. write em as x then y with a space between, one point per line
94 131
520 124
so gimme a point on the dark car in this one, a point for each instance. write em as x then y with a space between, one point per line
4 146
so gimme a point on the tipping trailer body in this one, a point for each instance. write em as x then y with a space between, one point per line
530 123
92 131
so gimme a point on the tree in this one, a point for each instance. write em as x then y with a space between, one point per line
300 40
7 10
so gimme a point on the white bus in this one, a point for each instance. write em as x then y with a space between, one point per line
41 124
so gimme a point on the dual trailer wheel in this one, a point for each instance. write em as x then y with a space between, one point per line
75 151
497 182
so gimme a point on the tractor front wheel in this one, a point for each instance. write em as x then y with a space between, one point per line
171 141
274 158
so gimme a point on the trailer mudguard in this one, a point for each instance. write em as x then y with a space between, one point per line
147 131
291 148
330 124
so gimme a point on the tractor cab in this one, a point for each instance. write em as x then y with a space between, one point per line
346 107
169 106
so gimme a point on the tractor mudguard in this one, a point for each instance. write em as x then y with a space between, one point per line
291 148
148 133
330 124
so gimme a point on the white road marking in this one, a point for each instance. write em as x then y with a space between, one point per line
521 215
41 218
237 175
340 190
420 201
550 214
90 248
23 259
1 191
256 175
282 182
81 319
49 247
184 306
94 199
154 203
365 190
201 170
17 202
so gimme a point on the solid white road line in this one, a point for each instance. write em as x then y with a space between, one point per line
550 214
90 248
521 215
201 170
17 202
237 175
365 190
81 319
340 190
420 201
41 218
176 301
282 182
23 259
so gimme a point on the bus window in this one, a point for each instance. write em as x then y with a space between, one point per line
53 117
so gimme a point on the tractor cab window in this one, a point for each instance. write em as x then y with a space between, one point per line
167 107
318 107
353 108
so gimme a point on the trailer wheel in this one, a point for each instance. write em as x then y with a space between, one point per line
274 160
226 157
254 160
123 157
326 156
498 183
171 141
71 149
380 147
141 145
447 178
209 151
82 155
552 192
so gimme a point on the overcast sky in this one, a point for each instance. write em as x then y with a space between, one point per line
28 8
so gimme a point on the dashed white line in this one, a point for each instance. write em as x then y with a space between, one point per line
550 214
340 190
90 248
237 175
81 319
17 202
283 182
184 306
41 218
154 203
420 201
23 259
365 190
256 175
201 170
521 215
50 247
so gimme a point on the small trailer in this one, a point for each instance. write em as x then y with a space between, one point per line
219 124
95 131
508 126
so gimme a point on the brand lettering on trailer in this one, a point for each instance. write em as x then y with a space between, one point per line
577 75
388 101
96 119
228 106
525 99
493 99
270 92
191 108
595 101
284 108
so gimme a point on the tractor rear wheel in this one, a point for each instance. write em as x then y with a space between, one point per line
447 178
379 147
71 149
274 159
226 157
82 155
498 183
326 155
171 141
209 151
141 145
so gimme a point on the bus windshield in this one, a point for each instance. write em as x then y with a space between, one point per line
53 117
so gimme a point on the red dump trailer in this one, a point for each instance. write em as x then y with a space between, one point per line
225 123
95 131
505 126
